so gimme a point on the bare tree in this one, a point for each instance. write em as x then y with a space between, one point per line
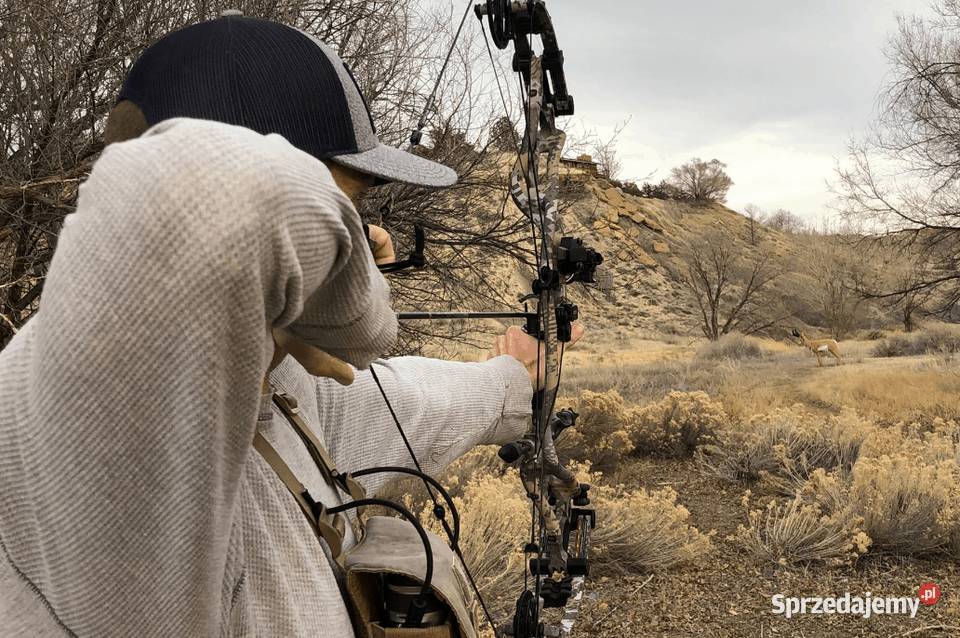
61 65
904 276
914 301
702 181
833 267
902 178
729 288
756 217
785 221
475 235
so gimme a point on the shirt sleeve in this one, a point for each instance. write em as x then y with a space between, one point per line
137 404
445 408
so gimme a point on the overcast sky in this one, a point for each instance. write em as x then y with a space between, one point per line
774 88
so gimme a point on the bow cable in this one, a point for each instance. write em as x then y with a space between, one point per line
438 510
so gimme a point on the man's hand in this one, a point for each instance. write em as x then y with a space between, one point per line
524 348
381 245
315 361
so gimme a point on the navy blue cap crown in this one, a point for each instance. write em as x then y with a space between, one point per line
253 73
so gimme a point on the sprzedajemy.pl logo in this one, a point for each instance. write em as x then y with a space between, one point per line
865 605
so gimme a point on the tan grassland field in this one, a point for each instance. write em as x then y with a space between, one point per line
727 591
846 480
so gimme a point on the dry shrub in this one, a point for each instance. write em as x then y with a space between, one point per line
796 531
902 504
908 506
941 438
733 346
494 525
786 447
932 441
640 530
635 529
481 461
677 425
600 435
934 340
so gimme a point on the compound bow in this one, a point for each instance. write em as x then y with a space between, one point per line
560 535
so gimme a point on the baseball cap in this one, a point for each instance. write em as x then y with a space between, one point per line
271 78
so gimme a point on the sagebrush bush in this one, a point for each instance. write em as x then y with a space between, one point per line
933 340
495 524
908 506
905 503
795 531
929 441
733 346
600 435
785 447
640 530
481 461
677 425
636 529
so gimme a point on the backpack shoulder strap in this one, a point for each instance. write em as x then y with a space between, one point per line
324 462
331 528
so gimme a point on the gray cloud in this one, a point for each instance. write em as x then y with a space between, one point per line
772 87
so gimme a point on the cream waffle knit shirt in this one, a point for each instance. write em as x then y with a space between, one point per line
131 502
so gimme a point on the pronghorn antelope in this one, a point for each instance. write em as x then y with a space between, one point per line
819 347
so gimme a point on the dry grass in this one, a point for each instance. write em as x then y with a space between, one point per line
888 390
854 461
890 394
937 339
646 382
735 347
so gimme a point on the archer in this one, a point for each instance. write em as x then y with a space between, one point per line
212 307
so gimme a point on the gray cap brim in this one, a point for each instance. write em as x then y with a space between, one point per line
394 165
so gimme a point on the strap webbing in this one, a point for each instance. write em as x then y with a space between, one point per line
330 528
322 459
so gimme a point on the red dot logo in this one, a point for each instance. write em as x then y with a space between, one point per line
929 593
